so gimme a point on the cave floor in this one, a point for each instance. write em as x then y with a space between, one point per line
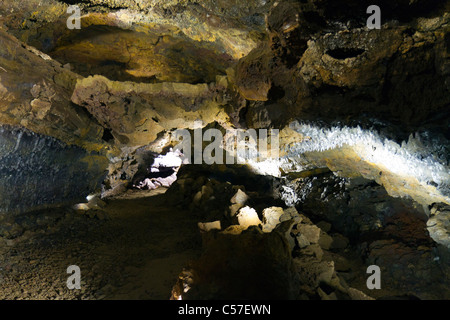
136 251
135 248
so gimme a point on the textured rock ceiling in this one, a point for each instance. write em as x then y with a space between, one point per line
138 70
363 119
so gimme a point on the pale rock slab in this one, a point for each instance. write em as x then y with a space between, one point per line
271 218
248 217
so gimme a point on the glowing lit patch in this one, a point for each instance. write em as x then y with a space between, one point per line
170 160
268 167
90 197
248 217
401 160
81 207
413 168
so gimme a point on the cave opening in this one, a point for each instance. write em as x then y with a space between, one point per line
107 135
92 174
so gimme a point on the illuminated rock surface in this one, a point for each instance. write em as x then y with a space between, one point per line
362 175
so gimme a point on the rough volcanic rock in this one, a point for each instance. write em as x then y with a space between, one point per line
340 71
231 27
406 267
39 171
271 218
250 265
35 93
136 112
378 72
51 150
362 114
439 224
253 77
125 55
277 268
353 206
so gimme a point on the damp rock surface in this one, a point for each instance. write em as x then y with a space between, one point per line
136 253
38 171
358 117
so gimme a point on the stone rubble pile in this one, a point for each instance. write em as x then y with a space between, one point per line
94 208
439 224
277 252
246 232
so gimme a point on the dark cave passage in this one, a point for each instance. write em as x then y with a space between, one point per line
224 150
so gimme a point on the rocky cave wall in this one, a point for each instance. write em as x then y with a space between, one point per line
363 114
39 170
51 150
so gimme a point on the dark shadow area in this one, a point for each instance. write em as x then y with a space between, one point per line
131 249
344 53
